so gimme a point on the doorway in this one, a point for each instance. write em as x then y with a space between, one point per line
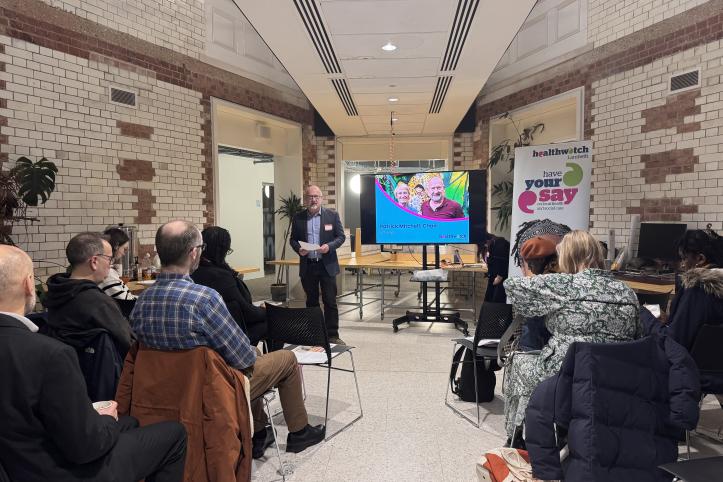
269 234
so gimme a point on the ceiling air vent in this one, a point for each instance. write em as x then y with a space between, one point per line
685 81
342 90
440 92
458 35
315 27
123 97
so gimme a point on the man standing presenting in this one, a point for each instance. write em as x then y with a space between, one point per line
317 268
438 205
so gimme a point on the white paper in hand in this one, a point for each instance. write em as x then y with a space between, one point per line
309 246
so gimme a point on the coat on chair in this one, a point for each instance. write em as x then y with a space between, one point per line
197 388
624 404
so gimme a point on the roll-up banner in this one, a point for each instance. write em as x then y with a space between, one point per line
551 182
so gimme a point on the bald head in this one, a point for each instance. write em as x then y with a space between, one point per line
314 199
17 286
176 242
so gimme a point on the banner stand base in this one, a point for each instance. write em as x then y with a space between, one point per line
455 318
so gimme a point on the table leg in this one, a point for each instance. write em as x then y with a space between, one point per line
360 286
474 295
381 272
288 285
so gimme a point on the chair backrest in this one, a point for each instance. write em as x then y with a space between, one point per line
101 364
197 388
494 318
297 326
706 349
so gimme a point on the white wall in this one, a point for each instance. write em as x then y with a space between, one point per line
240 209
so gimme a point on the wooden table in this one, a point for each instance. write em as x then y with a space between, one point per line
384 262
136 287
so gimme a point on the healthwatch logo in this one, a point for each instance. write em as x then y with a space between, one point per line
555 188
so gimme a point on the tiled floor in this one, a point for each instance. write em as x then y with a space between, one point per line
407 433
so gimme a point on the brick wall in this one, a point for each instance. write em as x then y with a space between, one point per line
610 20
140 166
659 155
175 24
644 141
463 152
324 172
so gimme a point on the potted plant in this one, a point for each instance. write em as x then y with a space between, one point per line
505 152
289 208
27 184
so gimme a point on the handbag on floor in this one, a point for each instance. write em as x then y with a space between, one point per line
505 465
464 386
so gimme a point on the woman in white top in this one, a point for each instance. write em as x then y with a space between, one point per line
113 285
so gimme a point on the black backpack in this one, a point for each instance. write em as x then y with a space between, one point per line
463 386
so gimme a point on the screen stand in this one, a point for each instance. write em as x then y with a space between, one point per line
433 314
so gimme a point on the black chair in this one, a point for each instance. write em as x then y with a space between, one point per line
698 470
706 354
306 327
493 322
268 397
101 364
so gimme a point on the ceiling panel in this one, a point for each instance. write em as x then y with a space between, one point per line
383 99
367 110
401 84
356 30
389 16
390 68
428 44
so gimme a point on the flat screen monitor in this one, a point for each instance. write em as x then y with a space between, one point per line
659 240
446 207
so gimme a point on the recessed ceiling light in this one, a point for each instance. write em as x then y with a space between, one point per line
389 47
393 99
394 119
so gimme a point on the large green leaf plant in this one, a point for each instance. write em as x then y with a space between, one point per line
288 209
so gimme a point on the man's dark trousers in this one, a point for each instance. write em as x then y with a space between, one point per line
314 277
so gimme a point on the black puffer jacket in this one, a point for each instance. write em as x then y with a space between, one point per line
698 301
624 406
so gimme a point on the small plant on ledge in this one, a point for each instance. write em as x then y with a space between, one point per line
28 184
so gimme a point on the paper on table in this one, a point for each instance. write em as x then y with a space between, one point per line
309 246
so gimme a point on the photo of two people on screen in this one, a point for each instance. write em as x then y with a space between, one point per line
430 194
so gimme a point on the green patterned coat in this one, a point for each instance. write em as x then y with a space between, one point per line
590 306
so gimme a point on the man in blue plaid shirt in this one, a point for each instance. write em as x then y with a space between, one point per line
178 314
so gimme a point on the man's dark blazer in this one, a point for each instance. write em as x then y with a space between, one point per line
49 429
333 237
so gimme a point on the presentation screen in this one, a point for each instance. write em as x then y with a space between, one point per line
424 208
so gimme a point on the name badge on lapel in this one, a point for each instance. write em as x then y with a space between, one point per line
328 227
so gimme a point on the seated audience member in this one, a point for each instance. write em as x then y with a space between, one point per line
401 194
49 429
538 257
538 227
77 308
113 285
177 314
698 295
581 303
214 272
496 253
